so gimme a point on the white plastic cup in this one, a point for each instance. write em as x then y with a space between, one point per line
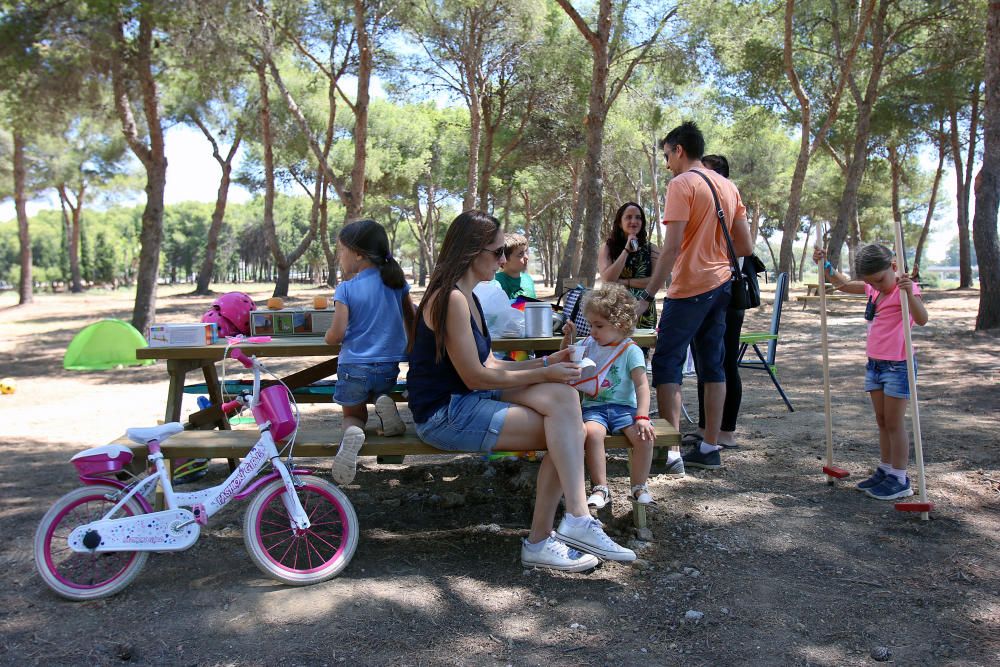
576 353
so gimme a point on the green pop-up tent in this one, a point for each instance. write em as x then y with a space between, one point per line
105 344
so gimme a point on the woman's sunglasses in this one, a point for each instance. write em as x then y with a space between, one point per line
498 253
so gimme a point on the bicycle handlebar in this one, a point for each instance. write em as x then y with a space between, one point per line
240 356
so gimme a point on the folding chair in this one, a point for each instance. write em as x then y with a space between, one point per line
753 339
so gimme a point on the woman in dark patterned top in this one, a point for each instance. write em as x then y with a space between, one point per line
627 257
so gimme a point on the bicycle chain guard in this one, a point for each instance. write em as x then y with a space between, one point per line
169 530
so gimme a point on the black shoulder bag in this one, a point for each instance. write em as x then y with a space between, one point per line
746 293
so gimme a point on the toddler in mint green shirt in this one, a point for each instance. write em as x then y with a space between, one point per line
615 390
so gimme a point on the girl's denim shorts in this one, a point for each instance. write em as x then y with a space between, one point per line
357 383
614 418
469 423
889 376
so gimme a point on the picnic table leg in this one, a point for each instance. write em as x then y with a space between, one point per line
177 370
215 396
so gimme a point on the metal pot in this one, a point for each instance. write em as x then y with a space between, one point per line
537 320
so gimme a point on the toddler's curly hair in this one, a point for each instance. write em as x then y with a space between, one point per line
615 304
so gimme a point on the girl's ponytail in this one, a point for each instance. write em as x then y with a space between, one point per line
390 270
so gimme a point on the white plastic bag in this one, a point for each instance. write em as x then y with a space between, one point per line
502 320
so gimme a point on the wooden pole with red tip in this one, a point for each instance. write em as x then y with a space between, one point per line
920 504
831 471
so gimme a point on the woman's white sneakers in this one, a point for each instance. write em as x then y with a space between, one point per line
388 414
345 463
555 555
589 536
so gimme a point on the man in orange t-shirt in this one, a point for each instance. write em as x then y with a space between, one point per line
696 256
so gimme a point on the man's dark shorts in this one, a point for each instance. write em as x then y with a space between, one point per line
701 319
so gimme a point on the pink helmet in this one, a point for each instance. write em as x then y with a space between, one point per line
231 312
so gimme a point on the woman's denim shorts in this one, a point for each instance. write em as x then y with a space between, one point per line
356 383
469 423
614 418
889 376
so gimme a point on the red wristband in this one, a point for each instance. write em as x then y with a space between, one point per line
638 417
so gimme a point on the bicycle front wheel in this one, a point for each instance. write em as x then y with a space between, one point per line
301 557
84 576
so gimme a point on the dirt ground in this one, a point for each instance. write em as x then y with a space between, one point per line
784 569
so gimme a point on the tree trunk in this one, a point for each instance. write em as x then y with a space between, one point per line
847 211
987 184
152 156
267 143
475 124
805 248
593 170
356 203
961 210
774 260
932 203
25 285
566 263
219 212
329 251
962 183
72 235
654 175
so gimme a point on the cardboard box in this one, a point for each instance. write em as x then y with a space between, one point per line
183 335
286 322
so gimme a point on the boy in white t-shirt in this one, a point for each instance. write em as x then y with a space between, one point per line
616 392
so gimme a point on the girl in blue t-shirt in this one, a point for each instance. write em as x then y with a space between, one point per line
371 316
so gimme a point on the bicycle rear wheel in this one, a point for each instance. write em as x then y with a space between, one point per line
84 576
301 557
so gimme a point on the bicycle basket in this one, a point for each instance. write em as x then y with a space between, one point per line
275 408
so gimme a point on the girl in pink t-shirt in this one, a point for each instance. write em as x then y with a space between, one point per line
886 379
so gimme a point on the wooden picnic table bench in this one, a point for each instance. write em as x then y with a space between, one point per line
812 289
835 298
322 443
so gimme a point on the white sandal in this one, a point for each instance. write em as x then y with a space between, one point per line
600 496
640 494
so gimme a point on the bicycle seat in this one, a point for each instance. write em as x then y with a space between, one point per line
142 436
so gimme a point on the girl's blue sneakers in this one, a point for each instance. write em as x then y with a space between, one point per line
872 481
891 488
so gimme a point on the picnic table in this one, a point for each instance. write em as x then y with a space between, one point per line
195 442
184 360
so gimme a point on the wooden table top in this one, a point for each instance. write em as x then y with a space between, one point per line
315 346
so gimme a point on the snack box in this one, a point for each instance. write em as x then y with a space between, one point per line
183 335
306 322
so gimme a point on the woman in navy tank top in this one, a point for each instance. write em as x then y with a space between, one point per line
464 399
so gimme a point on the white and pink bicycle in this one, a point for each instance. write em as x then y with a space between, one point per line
298 528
